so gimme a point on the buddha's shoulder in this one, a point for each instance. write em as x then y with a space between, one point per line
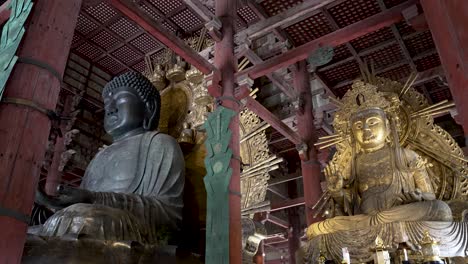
160 139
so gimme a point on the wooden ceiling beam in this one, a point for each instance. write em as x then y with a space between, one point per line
287 204
200 9
258 10
277 221
166 37
274 78
271 119
288 17
336 38
399 39
336 27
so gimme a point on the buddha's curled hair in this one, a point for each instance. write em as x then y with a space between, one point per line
142 86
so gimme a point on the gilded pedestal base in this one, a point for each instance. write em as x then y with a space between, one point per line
452 236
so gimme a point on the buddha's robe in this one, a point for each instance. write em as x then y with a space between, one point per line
376 190
138 186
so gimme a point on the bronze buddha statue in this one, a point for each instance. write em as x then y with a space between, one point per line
133 189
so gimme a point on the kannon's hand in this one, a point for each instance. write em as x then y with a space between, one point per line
334 177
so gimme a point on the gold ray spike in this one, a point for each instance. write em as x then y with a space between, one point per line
430 107
329 136
244 62
253 91
327 141
331 144
409 83
445 107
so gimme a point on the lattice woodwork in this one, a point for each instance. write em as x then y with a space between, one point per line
139 66
124 28
340 53
84 25
352 11
397 73
88 50
428 62
186 20
110 64
126 55
372 39
105 40
273 7
420 43
169 27
247 15
148 10
145 43
404 28
345 71
102 12
438 92
309 29
166 6
385 57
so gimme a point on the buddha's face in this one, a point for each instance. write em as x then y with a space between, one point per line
370 129
125 111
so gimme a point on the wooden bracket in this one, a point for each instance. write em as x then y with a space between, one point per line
214 29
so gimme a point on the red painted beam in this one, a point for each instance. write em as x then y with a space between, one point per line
447 21
4 12
287 204
132 11
277 221
271 119
336 38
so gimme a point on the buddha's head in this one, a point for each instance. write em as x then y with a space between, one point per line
370 128
131 102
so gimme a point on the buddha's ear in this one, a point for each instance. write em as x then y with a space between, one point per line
151 116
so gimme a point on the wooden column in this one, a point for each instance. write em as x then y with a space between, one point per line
226 63
23 130
306 130
294 240
447 21
54 175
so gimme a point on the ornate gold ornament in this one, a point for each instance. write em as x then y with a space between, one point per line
394 174
186 103
414 124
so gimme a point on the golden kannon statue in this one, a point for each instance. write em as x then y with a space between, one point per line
393 173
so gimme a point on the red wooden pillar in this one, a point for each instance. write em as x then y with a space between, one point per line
23 130
447 21
226 63
54 175
259 258
306 130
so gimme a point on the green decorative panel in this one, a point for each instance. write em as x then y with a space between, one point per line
217 185
12 33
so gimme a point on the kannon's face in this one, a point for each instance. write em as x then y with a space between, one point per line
370 129
124 111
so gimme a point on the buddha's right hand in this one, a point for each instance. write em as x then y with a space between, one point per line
334 178
66 197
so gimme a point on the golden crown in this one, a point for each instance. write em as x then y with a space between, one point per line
363 96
